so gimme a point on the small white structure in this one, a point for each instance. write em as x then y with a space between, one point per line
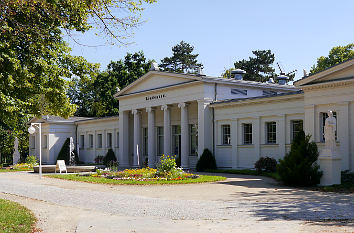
237 120
16 154
330 161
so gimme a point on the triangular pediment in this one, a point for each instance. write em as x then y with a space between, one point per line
340 72
156 80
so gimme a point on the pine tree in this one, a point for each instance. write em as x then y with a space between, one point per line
299 167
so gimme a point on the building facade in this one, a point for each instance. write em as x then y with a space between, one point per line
238 120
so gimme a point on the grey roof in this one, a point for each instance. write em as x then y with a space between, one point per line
97 118
256 97
58 119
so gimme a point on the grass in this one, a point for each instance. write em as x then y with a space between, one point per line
15 170
101 180
273 175
15 217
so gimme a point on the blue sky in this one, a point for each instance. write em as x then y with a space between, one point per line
224 31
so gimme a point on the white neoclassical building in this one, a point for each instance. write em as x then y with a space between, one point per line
238 120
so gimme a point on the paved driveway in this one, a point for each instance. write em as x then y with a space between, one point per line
239 204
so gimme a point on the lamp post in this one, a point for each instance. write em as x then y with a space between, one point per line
32 130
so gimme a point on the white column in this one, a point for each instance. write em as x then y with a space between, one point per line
137 145
124 139
166 129
343 134
184 136
234 143
257 136
151 137
205 126
310 122
281 140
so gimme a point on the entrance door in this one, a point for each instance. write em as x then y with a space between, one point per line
176 143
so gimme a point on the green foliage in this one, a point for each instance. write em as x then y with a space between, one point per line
258 68
110 158
167 164
94 96
299 167
15 217
266 164
206 161
182 59
336 55
31 159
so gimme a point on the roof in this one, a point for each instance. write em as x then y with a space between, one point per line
98 119
58 119
317 75
204 78
256 98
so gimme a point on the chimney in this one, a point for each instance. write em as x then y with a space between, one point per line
282 79
154 67
238 74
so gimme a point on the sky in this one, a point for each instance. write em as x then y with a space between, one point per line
225 31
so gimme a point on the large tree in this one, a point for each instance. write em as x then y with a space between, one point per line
182 60
336 55
35 61
258 68
94 97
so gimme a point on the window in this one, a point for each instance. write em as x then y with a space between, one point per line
226 136
109 140
296 127
193 129
247 133
176 140
82 141
91 140
99 140
271 135
160 140
117 141
324 116
45 141
145 142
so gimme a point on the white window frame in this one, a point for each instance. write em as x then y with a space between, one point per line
226 134
91 142
109 141
271 140
247 134
293 132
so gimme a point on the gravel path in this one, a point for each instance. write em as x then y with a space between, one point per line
240 202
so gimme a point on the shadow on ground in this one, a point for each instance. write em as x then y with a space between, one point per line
270 200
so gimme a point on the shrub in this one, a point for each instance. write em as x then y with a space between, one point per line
167 164
110 158
31 159
64 153
206 161
299 167
99 159
266 164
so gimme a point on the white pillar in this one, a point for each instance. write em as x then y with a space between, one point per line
151 137
310 122
256 133
124 139
166 129
184 136
234 143
281 140
137 149
205 126
343 134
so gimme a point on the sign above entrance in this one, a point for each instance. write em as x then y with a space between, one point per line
155 97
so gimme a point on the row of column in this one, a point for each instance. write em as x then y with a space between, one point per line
167 135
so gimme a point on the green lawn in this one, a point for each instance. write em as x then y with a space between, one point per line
15 170
15 218
101 180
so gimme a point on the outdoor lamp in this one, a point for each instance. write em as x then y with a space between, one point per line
31 130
